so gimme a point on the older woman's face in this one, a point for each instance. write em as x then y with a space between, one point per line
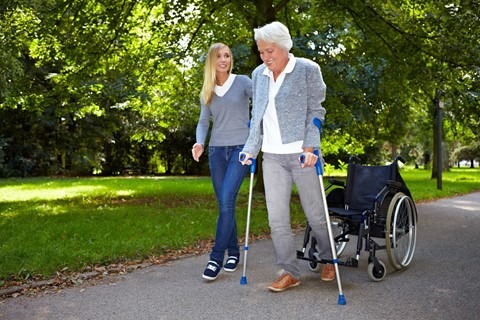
274 57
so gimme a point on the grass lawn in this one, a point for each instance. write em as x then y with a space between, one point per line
52 224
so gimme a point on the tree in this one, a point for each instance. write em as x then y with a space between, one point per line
98 86
469 153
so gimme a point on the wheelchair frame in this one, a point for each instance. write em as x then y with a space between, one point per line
389 213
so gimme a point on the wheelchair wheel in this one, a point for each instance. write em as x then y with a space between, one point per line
376 274
338 227
401 230
312 263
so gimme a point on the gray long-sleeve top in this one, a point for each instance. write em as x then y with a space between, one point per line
230 114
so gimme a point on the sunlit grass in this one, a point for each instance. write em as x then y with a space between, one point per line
50 224
455 182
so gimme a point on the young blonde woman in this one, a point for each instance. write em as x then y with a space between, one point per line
225 99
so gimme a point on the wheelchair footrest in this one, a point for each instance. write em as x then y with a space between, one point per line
350 262
301 255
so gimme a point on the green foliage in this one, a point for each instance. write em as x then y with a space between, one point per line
335 170
88 86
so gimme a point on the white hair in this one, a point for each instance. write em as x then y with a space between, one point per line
275 32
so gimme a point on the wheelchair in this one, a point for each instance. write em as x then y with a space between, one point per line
376 207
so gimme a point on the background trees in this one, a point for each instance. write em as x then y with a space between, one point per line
112 86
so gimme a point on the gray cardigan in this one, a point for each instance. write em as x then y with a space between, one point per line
298 102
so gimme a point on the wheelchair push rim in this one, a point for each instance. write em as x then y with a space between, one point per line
401 231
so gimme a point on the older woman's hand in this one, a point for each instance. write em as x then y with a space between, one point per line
245 158
308 159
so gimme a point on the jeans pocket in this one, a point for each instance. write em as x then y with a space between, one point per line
211 151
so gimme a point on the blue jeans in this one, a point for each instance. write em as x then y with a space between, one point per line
227 177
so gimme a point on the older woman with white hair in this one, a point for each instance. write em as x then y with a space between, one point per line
287 95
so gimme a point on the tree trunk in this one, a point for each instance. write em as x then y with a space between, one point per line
437 150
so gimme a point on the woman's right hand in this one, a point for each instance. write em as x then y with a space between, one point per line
197 151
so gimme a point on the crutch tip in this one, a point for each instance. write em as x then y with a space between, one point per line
243 280
341 300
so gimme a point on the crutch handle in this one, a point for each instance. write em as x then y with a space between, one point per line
302 158
242 157
317 164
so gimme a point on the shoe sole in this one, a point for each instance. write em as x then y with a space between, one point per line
327 280
229 270
283 289
234 262
209 278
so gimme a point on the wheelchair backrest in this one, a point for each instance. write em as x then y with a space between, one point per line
364 183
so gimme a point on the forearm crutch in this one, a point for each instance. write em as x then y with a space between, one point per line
318 166
243 280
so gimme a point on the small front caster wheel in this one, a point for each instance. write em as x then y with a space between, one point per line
376 274
313 264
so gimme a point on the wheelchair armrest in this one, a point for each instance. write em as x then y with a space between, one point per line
337 182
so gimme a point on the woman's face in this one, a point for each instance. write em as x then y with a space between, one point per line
224 60
274 57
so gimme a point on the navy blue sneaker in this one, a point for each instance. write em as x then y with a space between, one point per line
211 271
231 264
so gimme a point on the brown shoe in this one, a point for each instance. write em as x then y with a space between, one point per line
285 281
328 272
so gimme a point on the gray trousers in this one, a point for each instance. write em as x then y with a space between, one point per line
280 171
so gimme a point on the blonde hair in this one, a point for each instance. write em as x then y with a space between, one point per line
210 76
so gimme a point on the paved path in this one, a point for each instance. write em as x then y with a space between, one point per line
442 282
